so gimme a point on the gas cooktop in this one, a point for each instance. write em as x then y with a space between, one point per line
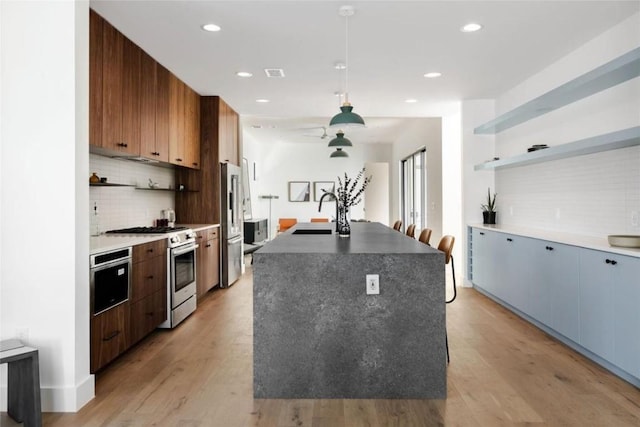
147 230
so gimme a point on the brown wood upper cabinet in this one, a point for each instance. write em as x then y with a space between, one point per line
137 107
115 92
228 134
184 124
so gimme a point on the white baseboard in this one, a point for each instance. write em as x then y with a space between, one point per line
59 399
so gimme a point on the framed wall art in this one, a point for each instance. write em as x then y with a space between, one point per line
299 191
319 188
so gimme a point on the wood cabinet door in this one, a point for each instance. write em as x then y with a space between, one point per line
131 96
109 335
162 114
148 81
95 78
148 277
176 121
112 82
147 314
192 128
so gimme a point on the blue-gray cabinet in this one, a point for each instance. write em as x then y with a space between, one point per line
610 307
588 298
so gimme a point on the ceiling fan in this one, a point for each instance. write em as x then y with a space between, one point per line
324 133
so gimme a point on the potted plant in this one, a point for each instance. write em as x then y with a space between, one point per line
489 209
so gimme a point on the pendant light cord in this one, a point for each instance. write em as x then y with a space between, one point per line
346 59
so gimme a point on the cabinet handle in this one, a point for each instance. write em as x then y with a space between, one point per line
208 245
194 164
150 277
549 248
509 239
122 144
199 237
111 336
481 233
150 250
178 160
149 313
611 261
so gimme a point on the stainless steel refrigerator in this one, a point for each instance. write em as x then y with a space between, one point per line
231 223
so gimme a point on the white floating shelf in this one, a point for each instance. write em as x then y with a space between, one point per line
609 141
619 70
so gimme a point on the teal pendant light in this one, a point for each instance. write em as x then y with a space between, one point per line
346 117
339 142
339 153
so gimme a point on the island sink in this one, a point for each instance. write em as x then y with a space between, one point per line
312 231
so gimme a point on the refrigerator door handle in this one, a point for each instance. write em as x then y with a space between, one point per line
235 240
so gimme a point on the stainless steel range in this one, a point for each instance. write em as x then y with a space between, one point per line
181 281
181 270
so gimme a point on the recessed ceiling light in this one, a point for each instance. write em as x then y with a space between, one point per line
340 66
411 101
211 27
471 27
262 101
432 75
243 74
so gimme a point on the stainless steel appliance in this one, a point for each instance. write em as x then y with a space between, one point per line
110 279
181 270
231 223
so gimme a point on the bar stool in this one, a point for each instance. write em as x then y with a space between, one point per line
446 246
286 223
425 236
23 382
411 231
397 225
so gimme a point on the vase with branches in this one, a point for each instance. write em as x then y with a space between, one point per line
349 193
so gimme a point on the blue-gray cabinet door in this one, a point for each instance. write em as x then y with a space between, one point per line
626 312
514 269
482 258
596 303
560 271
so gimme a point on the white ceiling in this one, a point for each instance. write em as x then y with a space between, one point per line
392 44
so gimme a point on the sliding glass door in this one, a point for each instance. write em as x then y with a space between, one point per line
413 194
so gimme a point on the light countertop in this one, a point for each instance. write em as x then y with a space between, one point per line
589 242
110 242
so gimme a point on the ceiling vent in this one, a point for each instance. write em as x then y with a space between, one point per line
274 72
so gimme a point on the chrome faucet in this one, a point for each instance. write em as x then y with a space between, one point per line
335 199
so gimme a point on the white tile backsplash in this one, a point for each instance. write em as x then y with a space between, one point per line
120 207
595 194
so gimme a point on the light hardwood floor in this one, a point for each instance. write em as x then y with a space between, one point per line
503 371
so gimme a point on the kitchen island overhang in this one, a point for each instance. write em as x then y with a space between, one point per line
317 334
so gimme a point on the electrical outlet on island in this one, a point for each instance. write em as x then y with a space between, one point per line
373 284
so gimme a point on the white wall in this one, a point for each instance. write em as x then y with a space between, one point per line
277 163
121 207
418 133
44 281
475 149
595 194
376 196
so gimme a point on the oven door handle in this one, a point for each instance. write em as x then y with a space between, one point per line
180 251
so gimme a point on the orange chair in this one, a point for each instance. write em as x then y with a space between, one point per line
286 223
425 236
397 225
319 219
446 246
411 231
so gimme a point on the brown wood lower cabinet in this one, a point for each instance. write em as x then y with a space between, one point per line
208 260
109 335
147 314
117 329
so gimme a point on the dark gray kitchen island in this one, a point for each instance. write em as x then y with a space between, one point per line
316 332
